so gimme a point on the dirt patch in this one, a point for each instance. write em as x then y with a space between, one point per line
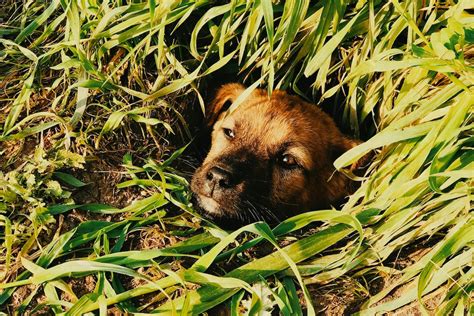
82 286
102 179
338 298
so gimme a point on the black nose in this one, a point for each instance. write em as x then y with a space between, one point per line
219 178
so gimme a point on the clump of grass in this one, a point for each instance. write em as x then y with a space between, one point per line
77 76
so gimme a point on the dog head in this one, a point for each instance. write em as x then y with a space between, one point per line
270 158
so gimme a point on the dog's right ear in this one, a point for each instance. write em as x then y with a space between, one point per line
224 98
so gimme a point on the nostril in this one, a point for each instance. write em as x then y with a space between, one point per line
219 177
224 183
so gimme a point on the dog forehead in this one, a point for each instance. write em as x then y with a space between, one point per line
273 121
261 121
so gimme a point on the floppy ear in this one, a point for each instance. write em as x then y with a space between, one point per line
224 98
345 145
342 145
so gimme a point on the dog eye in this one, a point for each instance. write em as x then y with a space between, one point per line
229 133
288 161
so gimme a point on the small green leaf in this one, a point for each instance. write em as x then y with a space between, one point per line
69 179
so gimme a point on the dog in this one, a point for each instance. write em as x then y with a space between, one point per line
270 158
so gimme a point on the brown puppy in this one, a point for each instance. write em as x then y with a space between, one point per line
270 158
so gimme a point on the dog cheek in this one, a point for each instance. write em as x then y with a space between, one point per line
289 189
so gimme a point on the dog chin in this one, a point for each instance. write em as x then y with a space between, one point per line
208 205
212 210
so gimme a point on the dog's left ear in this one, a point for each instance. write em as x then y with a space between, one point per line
345 145
224 98
341 146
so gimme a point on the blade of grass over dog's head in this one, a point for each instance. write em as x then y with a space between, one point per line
382 139
315 63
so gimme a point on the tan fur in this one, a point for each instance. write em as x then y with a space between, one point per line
262 125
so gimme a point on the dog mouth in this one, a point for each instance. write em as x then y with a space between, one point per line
206 206
212 210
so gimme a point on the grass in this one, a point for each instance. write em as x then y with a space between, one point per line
88 83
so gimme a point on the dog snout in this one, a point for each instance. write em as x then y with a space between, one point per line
219 178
